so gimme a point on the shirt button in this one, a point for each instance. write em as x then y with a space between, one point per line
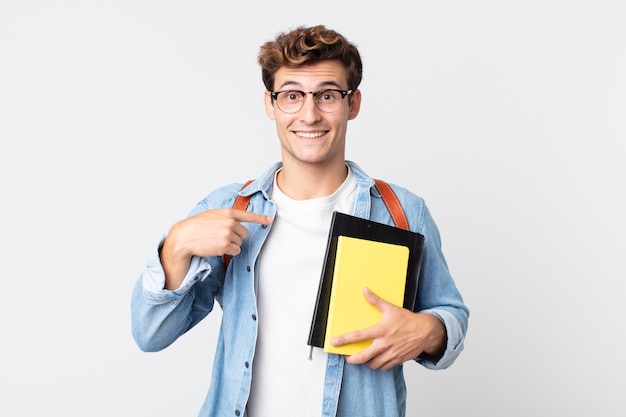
254 317
237 412
247 364
264 226
248 268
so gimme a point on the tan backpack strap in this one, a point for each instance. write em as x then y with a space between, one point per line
241 203
393 204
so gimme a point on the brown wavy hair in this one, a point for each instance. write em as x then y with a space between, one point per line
307 46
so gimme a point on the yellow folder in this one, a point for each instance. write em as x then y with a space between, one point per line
360 263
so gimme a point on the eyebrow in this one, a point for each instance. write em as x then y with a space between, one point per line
321 86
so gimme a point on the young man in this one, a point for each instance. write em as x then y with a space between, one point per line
262 366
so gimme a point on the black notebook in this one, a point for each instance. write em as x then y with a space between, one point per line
356 227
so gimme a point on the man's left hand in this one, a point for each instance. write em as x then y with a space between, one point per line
399 336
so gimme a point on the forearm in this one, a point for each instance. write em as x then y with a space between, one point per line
175 264
159 315
155 325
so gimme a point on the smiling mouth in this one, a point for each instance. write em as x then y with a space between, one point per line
310 135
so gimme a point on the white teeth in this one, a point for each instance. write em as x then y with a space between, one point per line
307 135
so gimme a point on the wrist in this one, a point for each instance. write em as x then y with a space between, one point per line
437 339
175 262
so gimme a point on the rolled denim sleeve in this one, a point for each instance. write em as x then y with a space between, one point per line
159 316
454 344
153 277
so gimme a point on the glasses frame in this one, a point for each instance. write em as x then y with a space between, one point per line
344 93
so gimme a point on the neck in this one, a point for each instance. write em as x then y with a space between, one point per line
304 183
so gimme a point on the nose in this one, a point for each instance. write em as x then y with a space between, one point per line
309 110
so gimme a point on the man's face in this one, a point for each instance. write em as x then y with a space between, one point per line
310 135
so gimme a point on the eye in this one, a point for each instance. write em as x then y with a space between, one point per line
326 95
292 95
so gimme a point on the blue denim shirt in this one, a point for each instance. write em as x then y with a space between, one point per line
160 316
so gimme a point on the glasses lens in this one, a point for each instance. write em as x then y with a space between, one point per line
290 101
328 100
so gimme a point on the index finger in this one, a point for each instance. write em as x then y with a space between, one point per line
251 217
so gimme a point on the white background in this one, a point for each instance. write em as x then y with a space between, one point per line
508 117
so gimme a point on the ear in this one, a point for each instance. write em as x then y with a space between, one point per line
355 104
269 105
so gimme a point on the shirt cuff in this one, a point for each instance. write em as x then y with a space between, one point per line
154 277
454 345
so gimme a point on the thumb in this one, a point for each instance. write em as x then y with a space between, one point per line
374 300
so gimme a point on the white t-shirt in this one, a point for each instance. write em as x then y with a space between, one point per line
284 380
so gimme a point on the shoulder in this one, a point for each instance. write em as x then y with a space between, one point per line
221 197
407 197
413 205
225 196
404 194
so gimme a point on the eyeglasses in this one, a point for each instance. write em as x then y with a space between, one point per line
291 101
